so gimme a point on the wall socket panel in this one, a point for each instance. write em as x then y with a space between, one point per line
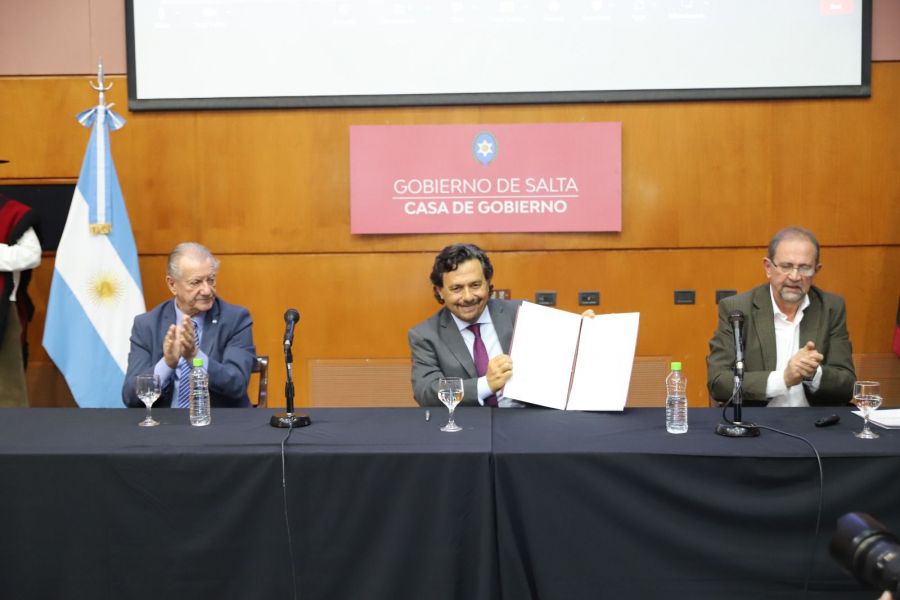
722 294
545 298
501 294
588 298
685 296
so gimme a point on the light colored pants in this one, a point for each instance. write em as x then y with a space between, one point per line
12 373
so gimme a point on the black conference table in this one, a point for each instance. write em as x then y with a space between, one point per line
522 504
612 506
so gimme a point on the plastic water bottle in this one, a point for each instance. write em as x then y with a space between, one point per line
200 414
676 400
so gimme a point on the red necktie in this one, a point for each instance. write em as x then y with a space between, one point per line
481 360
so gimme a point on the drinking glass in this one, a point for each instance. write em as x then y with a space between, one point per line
450 392
866 397
147 388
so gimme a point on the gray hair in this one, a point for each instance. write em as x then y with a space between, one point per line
792 233
188 248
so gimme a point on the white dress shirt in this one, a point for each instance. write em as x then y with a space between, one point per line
25 254
787 343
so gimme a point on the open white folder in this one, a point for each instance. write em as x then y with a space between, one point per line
565 361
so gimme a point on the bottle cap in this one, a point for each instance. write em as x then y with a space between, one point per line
198 361
676 366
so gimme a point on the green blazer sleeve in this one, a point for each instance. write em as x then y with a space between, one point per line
827 328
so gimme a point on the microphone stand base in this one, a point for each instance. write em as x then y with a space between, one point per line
737 429
286 420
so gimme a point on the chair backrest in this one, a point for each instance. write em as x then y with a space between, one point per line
261 366
884 368
360 382
386 382
648 375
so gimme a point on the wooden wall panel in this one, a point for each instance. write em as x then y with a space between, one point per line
695 174
704 186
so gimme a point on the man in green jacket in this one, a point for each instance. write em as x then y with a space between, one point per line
797 349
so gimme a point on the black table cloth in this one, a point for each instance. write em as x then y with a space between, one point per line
522 504
381 505
612 506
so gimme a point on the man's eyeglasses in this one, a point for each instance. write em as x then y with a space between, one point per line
802 270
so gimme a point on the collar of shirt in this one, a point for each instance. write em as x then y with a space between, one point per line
464 326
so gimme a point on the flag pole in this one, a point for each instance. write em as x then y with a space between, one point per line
101 87
102 226
96 289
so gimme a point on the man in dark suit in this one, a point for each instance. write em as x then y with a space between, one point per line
448 343
194 323
797 349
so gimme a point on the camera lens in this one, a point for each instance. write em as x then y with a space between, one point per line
868 550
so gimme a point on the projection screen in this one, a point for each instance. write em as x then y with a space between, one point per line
199 54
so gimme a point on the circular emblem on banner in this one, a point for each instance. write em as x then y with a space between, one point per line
484 148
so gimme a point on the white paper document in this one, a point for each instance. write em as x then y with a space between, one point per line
565 361
888 419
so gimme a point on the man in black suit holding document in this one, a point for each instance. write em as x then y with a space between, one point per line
459 335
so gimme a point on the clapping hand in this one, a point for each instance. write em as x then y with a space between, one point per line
803 364
180 341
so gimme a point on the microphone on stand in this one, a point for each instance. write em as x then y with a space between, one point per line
291 316
288 419
735 427
736 318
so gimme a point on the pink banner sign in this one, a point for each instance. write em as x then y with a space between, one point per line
486 178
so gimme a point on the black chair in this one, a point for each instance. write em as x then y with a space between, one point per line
261 366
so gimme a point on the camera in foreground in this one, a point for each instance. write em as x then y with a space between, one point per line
868 550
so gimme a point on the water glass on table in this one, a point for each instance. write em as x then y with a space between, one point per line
450 392
867 398
148 390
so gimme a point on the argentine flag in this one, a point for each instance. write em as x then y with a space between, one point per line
96 289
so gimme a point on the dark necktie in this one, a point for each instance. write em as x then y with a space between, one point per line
184 376
481 360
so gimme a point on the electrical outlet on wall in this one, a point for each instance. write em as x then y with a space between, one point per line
545 298
685 296
589 298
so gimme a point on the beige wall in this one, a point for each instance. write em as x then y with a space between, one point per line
61 37
66 37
